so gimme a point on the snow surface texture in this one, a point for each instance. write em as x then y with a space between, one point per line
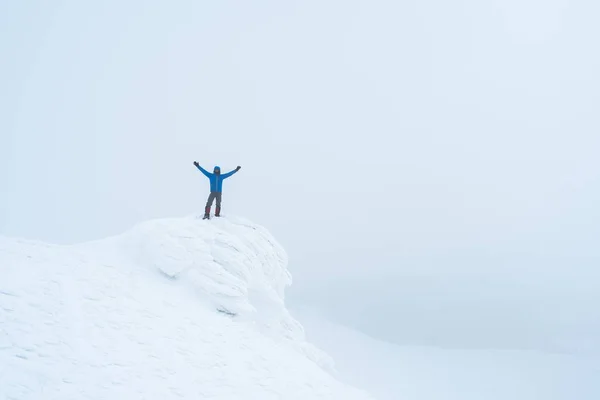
178 308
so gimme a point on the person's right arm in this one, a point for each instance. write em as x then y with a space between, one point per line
205 172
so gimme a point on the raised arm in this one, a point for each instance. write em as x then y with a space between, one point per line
205 172
227 175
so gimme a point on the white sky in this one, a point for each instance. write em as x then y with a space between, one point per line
381 141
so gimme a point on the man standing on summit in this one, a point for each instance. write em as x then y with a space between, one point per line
216 187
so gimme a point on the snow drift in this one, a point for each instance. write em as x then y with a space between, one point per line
177 308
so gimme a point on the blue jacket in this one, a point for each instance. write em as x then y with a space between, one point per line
216 180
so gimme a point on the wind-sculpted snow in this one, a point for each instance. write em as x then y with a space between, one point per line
179 308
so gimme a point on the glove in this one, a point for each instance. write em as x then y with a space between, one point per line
196 163
238 168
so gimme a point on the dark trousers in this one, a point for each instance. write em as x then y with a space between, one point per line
211 197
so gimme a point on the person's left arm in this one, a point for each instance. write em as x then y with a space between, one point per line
227 175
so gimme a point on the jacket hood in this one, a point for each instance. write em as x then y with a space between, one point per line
216 168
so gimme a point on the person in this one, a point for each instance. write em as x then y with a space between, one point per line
216 187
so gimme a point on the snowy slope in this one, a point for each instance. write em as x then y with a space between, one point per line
178 308
390 371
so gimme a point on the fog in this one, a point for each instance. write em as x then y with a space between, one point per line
430 167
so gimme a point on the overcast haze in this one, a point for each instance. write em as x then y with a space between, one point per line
394 148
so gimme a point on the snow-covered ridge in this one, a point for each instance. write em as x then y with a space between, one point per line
172 308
